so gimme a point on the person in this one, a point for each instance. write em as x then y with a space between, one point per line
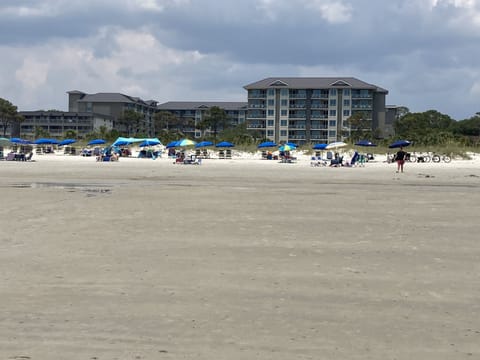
400 159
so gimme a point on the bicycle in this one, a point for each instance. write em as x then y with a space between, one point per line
437 158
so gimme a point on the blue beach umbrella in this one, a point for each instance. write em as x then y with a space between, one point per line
67 142
319 146
224 144
203 144
172 144
20 141
150 142
399 143
267 144
96 142
44 141
366 143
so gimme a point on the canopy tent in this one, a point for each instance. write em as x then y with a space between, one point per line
122 141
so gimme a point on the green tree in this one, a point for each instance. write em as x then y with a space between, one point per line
71 134
215 119
360 126
133 122
41 132
426 128
8 115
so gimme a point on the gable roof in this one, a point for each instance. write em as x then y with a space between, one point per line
313 83
194 105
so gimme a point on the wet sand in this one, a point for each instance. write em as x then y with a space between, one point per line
238 259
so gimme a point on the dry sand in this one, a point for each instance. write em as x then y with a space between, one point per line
238 259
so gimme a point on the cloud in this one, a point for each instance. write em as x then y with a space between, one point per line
188 50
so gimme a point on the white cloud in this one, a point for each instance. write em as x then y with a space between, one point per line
334 12
32 73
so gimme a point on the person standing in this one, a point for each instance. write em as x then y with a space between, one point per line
400 159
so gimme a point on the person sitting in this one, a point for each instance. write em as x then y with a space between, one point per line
337 160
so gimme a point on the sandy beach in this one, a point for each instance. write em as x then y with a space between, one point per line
238 259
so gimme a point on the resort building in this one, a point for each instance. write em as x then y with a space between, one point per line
190 113
114 105
58 123
313 109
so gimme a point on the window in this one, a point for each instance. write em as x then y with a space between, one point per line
346 92
270 122
283 133
346 112
283 112
333 113
271 102
284 102
332 123
270 133
89 107
332 133
283 122
271 92
346 102
333 102
333 92
284 92
270 112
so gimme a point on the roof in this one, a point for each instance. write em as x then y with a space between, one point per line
313 83
62 113
194 105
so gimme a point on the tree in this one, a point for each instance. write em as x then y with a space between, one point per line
360 126
8 115
424 128
215 119
133 122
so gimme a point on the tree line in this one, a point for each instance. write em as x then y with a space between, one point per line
423 128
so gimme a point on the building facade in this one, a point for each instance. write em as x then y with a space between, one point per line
114 105
58 123
191 113
312 110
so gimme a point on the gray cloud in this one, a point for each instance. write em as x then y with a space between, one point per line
424 53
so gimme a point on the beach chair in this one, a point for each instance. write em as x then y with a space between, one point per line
10 157
228 154
29 156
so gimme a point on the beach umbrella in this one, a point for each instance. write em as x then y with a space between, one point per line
335 145
286 147
267 144
320 146
172 144
150 142
224 144
20 141
96 142
291 144
203 144
366 143
185 142
44 141
399 143
67 142
4 141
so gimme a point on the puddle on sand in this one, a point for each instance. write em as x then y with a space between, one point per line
89 189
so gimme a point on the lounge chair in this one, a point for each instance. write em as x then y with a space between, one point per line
10 157
29 156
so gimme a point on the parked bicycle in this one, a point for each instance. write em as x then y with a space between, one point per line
437 158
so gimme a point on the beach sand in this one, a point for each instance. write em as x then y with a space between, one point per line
238 259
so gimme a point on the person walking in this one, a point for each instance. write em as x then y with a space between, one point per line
400 159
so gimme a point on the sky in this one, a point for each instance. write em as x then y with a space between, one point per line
426 53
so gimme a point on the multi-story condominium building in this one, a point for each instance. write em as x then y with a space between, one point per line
57 123
316 109
191 113
114 105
